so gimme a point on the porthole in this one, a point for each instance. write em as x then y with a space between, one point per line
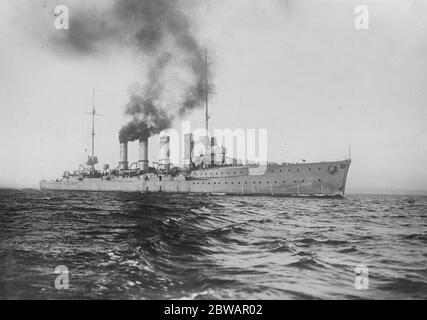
320 180
283 182
260 182
302 181
268 182
309 169
295 181
297 170
275 181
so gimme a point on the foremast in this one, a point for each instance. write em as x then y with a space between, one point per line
92 159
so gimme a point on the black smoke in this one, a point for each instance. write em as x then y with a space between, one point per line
161 32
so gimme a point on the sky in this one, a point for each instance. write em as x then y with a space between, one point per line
299 69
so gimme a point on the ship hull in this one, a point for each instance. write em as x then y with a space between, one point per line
303 179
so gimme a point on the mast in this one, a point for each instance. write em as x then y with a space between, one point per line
206 65
93 127
93 114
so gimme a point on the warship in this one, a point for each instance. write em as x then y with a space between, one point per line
210 172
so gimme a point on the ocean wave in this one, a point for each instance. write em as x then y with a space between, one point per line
159 246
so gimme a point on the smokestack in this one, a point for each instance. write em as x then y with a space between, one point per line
124 165
143 154
164 156
188 150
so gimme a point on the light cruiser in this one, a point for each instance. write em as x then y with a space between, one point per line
301 179
288 179
211 172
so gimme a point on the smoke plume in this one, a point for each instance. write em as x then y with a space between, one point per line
160 31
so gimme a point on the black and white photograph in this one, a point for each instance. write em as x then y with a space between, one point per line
228 151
